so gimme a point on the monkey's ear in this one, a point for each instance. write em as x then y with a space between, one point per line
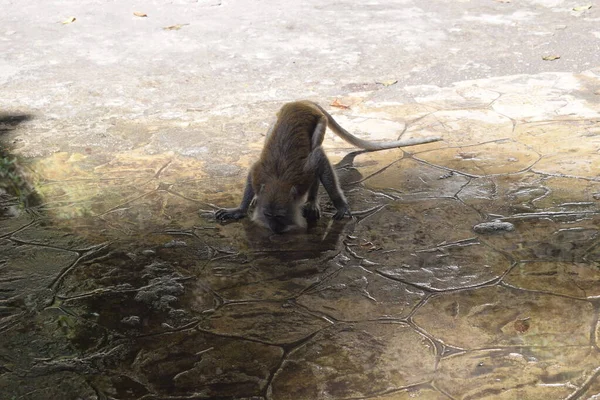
294 192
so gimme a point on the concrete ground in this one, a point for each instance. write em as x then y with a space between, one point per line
472 270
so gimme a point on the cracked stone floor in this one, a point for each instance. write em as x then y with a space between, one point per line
471 270
118 283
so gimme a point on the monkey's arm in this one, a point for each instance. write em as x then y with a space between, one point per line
310 210
241 211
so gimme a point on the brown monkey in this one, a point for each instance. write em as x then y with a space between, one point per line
285 180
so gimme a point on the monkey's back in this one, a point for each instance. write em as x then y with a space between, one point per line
287 148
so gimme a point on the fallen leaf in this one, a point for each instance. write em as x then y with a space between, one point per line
522 325
582 8
389 82
174 27
140 14
336 103
69 20
550 58
467 156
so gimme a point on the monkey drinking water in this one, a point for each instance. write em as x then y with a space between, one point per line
285 180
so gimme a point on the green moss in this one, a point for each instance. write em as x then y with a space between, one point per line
12 181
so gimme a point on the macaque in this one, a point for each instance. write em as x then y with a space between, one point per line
285 180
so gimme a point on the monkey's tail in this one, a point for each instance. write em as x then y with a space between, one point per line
370 145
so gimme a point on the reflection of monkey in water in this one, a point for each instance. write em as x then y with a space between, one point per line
285 180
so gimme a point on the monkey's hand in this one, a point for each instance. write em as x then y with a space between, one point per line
311 211
230 213
342 210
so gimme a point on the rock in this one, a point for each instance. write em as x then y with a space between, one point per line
493 227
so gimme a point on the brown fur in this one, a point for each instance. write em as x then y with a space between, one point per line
280 178
286 150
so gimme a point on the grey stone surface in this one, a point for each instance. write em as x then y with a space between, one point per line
119 133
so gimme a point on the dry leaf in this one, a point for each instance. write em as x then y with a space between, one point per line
550 58
467 156
582 8
336 103
174 27
140 14
522 325
69 20
388 83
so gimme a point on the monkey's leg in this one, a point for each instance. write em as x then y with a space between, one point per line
318 163
270 131
311 210
319 133
241 211
313 161
330 182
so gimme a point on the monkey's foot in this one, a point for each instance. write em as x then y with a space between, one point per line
229 213
311 211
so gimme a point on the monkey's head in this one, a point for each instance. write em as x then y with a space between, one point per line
278 208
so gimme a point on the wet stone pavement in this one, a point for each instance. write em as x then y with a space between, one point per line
471 271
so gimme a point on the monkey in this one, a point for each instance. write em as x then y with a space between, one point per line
284 182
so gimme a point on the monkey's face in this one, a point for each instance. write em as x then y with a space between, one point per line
278 211
278 218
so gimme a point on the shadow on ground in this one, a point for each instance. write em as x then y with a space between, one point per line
15 190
